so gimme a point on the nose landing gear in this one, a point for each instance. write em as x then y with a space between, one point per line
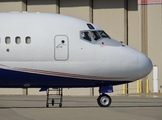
104 100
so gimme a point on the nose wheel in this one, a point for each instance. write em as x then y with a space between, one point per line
104 100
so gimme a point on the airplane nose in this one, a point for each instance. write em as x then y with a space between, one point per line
145 65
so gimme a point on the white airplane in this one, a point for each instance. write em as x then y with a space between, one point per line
42 50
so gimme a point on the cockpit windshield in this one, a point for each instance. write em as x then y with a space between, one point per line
86 35
93 35
103 34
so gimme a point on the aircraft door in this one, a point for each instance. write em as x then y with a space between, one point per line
61 47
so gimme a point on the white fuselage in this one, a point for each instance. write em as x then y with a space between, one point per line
56 48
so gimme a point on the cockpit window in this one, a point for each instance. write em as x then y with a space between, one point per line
103 34
86 35
90 26
95 35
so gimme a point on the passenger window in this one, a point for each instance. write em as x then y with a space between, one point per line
7 40
95 35
28 40
86 35
18 40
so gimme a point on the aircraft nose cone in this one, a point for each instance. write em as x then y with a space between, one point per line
145 66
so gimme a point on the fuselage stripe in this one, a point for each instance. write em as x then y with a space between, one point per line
68 74
52 73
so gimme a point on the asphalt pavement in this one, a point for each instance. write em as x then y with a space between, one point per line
136 107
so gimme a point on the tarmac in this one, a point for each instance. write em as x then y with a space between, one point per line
136 107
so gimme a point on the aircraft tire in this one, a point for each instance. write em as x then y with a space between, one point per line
104 100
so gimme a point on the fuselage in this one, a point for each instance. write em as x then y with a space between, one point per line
51 50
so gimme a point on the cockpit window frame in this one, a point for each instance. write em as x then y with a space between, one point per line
107 36
91 36
86 37
95 35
